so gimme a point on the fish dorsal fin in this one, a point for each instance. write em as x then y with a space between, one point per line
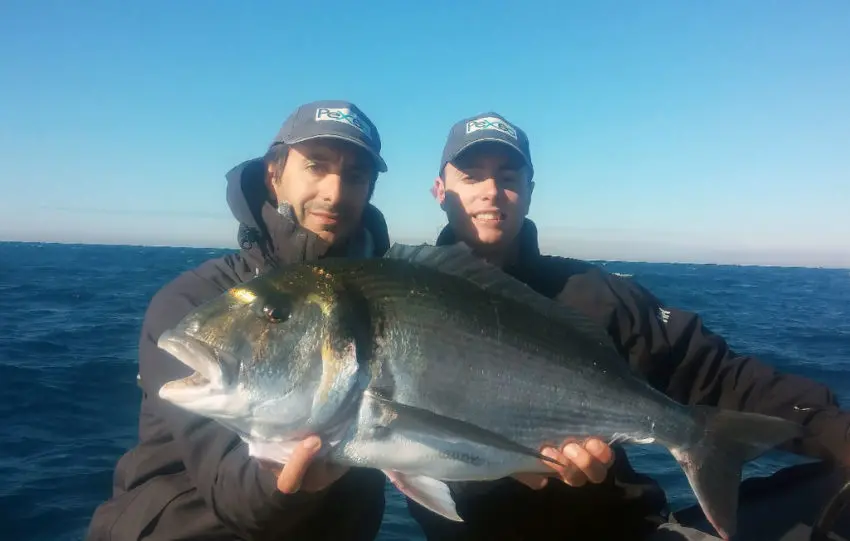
459 260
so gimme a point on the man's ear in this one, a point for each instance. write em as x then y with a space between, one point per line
438 190
271 181
528 197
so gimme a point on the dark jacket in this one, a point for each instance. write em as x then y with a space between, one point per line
190 478
677 354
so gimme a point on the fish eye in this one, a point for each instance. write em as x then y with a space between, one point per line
273 308
275 314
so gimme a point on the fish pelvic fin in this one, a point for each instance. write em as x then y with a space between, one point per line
459 260
430 493
713 463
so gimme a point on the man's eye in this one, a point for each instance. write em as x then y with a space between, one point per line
357 178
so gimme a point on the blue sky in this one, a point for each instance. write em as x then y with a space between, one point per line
660 130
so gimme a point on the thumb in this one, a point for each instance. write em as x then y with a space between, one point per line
289 480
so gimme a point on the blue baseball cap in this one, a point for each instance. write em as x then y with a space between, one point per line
334 119
485 127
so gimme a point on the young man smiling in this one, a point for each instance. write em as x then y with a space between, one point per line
191 478
485 188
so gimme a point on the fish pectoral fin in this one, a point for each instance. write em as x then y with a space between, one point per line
418 424
272 451
427 492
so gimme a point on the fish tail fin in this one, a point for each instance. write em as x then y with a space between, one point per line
723 442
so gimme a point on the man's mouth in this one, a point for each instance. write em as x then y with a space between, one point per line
325 217
490 216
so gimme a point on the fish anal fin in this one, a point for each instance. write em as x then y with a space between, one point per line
459 260
427 492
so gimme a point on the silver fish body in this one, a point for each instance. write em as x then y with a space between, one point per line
433 366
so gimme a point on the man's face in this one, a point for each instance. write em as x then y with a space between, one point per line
486 195
328 183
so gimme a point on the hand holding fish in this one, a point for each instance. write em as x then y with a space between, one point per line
585 462
302 474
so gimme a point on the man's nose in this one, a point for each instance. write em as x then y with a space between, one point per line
331 188
489 188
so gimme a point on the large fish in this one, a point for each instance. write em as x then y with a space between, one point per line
431 365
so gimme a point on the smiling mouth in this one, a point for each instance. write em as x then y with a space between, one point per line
489 217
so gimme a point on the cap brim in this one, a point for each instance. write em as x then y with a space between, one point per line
508 144
379 161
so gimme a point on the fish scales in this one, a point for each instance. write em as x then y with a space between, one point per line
518 355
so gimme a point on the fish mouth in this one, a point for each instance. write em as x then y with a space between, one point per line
208 375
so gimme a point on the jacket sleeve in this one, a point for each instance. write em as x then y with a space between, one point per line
241 492
678 355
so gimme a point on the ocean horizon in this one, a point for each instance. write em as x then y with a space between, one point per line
597 260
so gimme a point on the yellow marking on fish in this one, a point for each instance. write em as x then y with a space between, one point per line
242 294
322 272
332 365
321 302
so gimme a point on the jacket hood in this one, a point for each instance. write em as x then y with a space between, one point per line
247 192
270 238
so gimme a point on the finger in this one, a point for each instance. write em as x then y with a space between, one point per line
289 480
534 481
600 451
570 473
594 470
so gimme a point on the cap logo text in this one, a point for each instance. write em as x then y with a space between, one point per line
490 123
344 115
